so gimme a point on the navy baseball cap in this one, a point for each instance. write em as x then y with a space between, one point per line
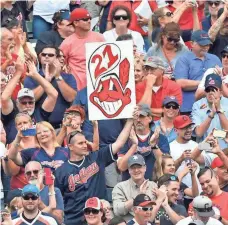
169 99
213 80
30 189
225 50
143 200
201 37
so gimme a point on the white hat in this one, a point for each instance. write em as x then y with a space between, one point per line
25 92
203 206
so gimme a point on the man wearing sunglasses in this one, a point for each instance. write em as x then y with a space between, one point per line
211 112
83 175
191 66
73 47
213 7
142 207
31 214
26 101
218 32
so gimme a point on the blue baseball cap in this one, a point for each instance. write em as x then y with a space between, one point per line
201 37
65 14
169 99
213 80
225 50
30 189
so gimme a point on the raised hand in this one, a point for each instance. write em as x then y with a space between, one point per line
154 137
144 187
133 137
32 70
19 65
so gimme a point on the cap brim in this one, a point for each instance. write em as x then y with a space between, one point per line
143 113
210 85
206 214
204 42
137 163
92 208
151 65
165 103
25 96
30 193
185 125
147 203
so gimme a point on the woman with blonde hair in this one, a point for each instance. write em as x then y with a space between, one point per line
49 154
138 69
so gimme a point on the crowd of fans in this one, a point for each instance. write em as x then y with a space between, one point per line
166 165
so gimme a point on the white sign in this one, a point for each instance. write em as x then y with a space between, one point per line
110 80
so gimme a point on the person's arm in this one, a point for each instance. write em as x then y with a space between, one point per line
157 112
196 22
200 93
225 90
188 85
7 103
122 138
215 28
95 144
180 10
49 103
10 168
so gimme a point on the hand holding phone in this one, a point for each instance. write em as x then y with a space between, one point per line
29 132
48 179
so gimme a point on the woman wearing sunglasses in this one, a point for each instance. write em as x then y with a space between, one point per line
18 180
168 48
171 109
121 19
49 154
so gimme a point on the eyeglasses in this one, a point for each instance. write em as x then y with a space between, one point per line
168 14
170 39
85 19
47 54
118 17
171 106
27 102
29 173
210 89
224 56
87 211
28 197
72 134
214 3
145 209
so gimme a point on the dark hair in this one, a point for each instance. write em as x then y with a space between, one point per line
57 18
51 46
172 29
124 37
10 23
166 179
116 220
204 170
120 7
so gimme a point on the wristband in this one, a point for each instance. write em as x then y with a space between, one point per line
50 194
211 117
16 144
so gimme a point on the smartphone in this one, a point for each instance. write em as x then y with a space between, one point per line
219 133
29 132
48 178
188 161
205 146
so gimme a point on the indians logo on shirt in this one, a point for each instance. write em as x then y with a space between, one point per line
83 176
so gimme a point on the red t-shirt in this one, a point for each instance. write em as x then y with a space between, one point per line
132 6
186 19
168 88
9 72
220 202
18 181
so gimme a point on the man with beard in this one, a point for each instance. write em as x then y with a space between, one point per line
218 32
168 211
191 66
31 214
180 149
210 187
26 101
211 112
150 144
202 212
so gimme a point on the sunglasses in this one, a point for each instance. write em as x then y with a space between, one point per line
26 103
168 14
35 172
118 17
171 106
145 209
88 211
211 89
28 197
170 39
214 3
47 54
85 19
224 56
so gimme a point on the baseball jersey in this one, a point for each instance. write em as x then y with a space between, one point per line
78 182
145 150
133 222
40 219
60 156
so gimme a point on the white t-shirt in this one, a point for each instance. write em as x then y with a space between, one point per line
189 219
210 71
176 150
111 36
47 8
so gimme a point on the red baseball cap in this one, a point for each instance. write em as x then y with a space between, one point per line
182 121
78 14
216 163
94 203
77 108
